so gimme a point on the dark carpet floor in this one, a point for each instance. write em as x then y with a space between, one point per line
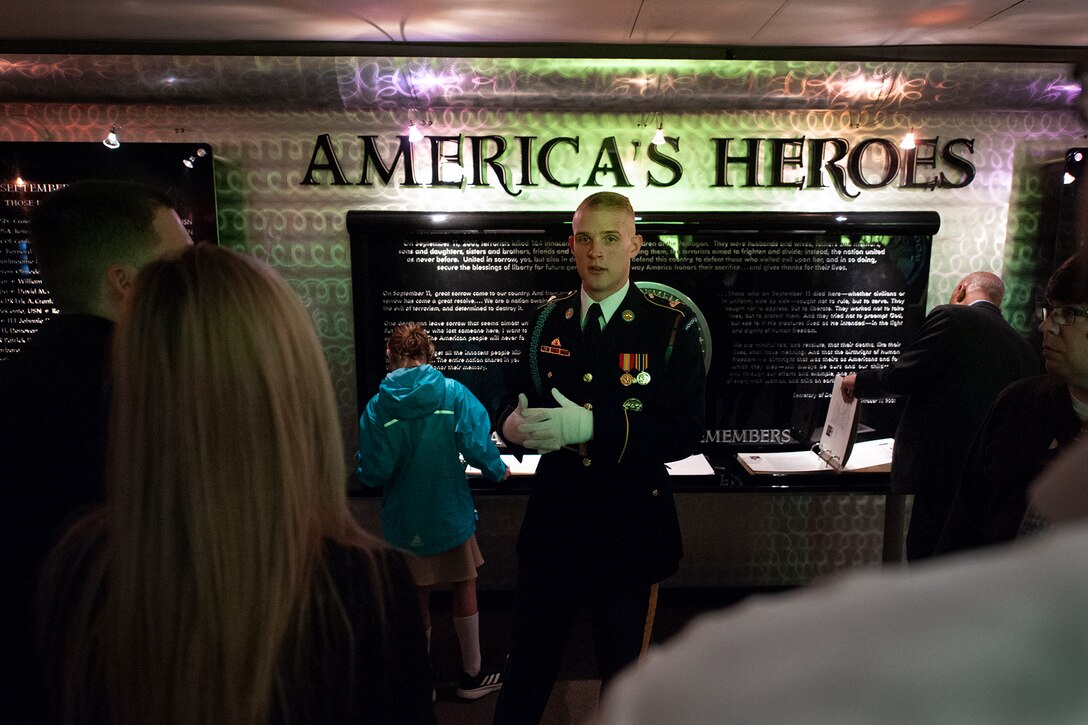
574 699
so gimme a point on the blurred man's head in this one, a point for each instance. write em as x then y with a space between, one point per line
90 238
979 286
1065 327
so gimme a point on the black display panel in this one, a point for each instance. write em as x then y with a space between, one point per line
785 301
31 170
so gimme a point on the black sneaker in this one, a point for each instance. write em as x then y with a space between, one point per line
473 688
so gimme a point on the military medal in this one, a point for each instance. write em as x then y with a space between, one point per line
633 361
643 378
569 313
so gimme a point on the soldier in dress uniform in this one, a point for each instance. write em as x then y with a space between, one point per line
609 406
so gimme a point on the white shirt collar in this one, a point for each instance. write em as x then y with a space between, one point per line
609 304
1080 407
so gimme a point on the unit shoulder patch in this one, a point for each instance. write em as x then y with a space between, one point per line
666 304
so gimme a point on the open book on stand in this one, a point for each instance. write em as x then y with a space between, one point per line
525 466
836 450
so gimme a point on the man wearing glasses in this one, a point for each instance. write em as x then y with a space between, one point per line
951 372
1032 422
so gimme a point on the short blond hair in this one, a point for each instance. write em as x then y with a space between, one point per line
607 200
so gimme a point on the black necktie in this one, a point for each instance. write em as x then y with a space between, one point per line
591 333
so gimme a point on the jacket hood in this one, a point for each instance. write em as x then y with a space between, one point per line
411 392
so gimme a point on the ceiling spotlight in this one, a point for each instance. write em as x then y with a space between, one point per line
416 123
908 141
111 141
191 161
659 135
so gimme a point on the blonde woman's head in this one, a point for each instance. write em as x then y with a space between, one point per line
223 398
226 472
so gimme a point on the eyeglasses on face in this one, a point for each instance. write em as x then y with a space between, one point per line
1061 316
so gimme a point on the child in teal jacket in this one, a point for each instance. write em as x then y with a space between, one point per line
410 436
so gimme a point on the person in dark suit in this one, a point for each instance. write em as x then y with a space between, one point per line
963 356
609 406
88 240
1032 422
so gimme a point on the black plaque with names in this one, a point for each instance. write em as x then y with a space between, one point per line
31 170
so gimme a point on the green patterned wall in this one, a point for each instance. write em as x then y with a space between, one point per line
261 157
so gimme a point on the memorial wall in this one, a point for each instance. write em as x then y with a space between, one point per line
784 301
569 127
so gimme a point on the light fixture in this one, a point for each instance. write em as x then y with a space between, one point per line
416 123
111 141
659 135
19 181
908 141
1073 167
191 161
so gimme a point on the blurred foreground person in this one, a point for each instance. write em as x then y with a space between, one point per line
88 240
225 580
986 638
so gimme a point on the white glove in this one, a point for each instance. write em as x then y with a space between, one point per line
569 423
521 415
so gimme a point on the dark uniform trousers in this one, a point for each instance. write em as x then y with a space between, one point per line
600 527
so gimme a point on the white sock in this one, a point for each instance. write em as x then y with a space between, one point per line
468 634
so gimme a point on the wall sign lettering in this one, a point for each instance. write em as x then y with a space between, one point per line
566 162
